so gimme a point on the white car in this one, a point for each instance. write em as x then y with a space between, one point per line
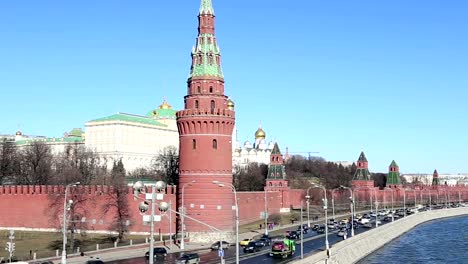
364 220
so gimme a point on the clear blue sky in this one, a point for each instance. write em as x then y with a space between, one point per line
335 77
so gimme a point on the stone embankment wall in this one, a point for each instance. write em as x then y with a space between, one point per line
355 248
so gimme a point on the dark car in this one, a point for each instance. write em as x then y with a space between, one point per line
189 258
159 252
253 246
321 230
265 241
293 235
224 245
316 227
94 261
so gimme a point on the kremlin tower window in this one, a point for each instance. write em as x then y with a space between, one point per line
194 144
196 104
212 106
198 89
211 89
215 144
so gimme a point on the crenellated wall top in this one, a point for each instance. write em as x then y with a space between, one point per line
60 189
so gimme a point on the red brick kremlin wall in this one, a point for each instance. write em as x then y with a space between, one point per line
29 206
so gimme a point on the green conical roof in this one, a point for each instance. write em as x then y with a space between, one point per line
206 7
362 174
393 177
276 150
435 178
362 157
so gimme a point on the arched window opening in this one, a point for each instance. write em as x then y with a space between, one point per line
211 89
194 144
196 104
198 89
212 107
215 144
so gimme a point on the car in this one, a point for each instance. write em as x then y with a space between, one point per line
94 261
158 252
265 241
189 258
293 235
315 227
245 242
224 245
342 232
321 230
253 246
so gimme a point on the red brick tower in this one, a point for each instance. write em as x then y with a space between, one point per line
205 132
362 177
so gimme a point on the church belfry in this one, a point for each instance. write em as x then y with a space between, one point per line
205 133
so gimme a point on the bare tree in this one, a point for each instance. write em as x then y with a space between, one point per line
35 164
166 165
251 178
117 200
77 211
8 161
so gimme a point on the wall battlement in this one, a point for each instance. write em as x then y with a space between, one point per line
60 189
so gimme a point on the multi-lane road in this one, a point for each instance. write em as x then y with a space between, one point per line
312 242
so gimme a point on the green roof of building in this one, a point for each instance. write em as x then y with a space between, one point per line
162 113
130 118
69 139
76 132
393 164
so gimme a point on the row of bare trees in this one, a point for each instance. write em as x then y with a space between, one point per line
300 171
36 164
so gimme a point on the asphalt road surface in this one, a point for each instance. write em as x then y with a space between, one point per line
313 242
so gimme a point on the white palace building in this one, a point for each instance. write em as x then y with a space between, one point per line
138 139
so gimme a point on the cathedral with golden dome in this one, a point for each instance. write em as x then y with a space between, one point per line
258 151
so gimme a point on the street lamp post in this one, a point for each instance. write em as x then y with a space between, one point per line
266 214
182 216
333 204
143 207
352 208
325 208
404 202
308 206
222 184
66 206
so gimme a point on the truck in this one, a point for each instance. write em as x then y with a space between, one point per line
283 248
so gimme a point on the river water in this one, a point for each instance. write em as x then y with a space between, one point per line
438 241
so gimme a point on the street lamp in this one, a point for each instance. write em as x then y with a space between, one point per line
266 213
352 207
229 185
325 205
66 207
333 203
308 206
182 219
138 188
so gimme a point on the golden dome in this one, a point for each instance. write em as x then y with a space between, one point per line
165 105
260 134
18 133
230 104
